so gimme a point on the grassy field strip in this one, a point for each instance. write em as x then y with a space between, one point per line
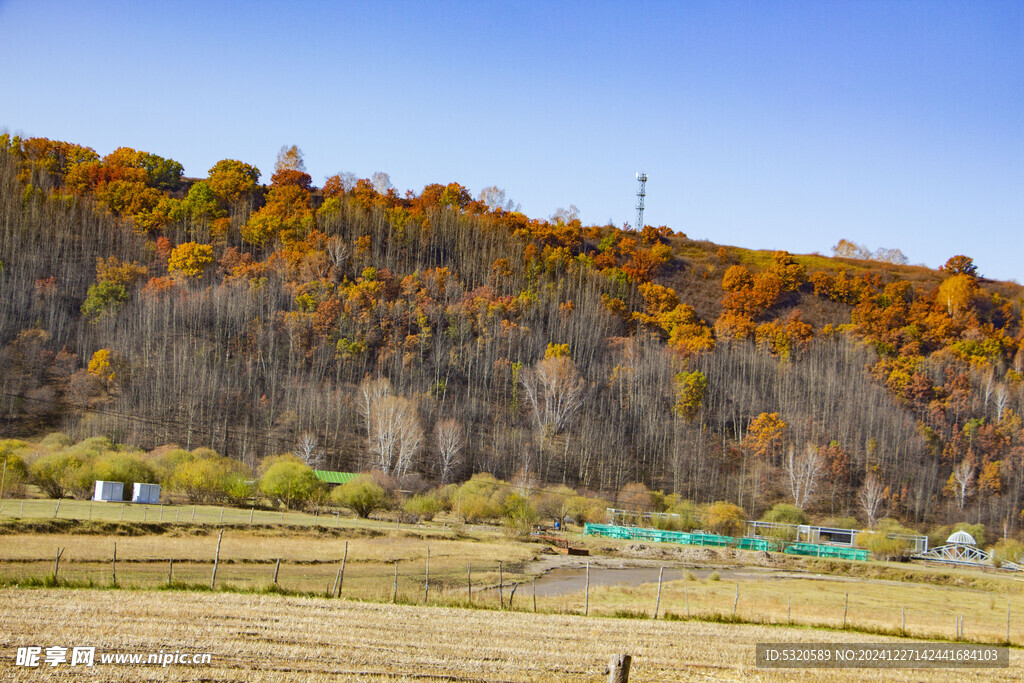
251 546
273 638
248 561
930 611
193 514
371 583
311 562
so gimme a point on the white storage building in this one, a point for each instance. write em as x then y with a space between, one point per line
109 491
146 493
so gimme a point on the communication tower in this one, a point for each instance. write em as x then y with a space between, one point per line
640 194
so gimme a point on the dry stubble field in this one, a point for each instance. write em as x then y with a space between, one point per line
278 638
256 636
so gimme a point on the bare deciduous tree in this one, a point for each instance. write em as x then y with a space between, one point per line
369 391
962 480
803 471
339 251
450 440
562 215
395 433
554 389
494 197
871 498
308 450
409 441
347 180
381 182
1002 399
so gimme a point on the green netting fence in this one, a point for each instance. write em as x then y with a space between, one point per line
704 539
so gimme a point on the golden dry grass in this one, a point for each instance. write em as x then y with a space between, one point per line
311 560
873 606
275 638
241 545
37 508
248 558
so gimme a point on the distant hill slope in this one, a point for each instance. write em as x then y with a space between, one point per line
227 313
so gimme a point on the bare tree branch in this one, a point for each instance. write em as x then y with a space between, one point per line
803 471
871 496
450 440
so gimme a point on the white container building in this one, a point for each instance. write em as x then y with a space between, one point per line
109 491
146 493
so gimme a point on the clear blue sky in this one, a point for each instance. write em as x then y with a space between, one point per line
762 124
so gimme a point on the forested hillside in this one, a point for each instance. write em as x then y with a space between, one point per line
443 335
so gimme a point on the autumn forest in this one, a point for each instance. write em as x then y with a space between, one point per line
440 333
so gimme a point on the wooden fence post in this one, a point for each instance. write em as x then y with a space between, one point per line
618 669
586 604
535 594
736 601
193 514
469 583
337 578
113 565
56 563
56 509
394 598
216 560
426 585
170 571
252 511
344 559
277 568
501 586
657 603
512 595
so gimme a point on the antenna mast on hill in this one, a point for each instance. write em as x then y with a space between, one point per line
640 194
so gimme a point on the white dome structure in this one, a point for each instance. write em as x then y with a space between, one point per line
962 549
961 538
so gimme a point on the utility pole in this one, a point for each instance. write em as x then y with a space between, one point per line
640 194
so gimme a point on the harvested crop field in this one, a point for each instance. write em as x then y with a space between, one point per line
271 638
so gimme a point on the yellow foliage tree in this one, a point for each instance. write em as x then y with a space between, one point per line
99 365
690 390
687 333
766 433
119 272
556 351
725 518
956 293
791 273
190 259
